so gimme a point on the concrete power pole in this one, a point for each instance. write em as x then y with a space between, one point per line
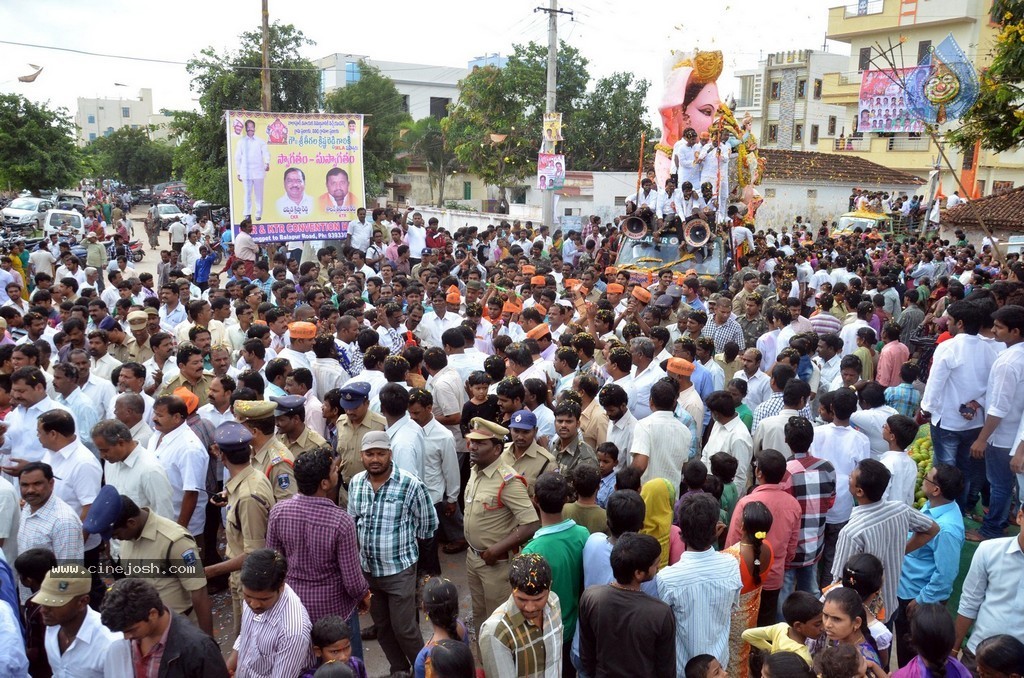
265 71
550 104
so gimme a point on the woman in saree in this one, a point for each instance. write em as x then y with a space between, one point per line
755 557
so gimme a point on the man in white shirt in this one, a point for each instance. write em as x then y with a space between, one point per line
133 469
730 435
759 386
185 460
441 477
669 202
661 444
646 374
360 231
844 447
29 399
685 158
416 236
621 422
406 436
252 162
771 434
76 641
295 204
648 196
955 394
870 419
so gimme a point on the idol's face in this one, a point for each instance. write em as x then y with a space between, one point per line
700 113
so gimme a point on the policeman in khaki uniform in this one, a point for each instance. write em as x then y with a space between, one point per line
271 457
293 433
500 517
356 423
524 454
247 505
147 538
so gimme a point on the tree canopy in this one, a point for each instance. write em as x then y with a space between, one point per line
427 140
997 117
497 124
231 81
130 156
37 146
374 95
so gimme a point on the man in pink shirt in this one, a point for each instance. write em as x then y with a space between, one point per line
784 535
891 358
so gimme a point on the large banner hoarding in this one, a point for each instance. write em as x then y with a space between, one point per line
883 103
298 176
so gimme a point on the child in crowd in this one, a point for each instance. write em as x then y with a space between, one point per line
441 607
480 403
904 398
723 467
863 574
694 475
331 644
607 460
704 666
899 432
628 479
586 480
802 612
840 661
866 340
934 634
786 665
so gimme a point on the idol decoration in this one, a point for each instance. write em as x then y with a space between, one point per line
944 85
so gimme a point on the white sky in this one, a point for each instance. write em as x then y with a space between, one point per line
616 35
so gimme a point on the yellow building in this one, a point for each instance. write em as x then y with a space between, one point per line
920 24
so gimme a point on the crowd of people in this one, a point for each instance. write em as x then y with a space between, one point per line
649 473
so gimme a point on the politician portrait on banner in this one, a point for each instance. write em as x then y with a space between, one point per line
298 176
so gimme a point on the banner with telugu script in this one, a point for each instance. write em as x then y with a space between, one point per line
298 176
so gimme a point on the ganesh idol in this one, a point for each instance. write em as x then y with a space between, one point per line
688 109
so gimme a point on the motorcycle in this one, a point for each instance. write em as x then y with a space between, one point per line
138 250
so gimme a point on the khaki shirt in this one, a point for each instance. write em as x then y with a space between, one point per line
350 440
594 424
123 352
275 463
201 388
307 441
535 461
139 353
168 543
249 501
487 519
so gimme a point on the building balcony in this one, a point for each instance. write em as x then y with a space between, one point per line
902 153
841 88
862 18
742 104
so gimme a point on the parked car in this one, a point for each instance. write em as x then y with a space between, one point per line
65 223
26 213
67 201
145 196
166 213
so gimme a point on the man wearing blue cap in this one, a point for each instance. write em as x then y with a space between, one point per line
292 431
356 423
147 538
248 503
524 454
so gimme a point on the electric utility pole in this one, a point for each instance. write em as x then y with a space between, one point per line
265 71
550 103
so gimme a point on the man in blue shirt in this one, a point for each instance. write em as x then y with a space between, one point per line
929 572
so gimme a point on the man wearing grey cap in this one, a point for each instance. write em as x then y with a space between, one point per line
392 511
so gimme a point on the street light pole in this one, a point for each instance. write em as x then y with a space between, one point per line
551 102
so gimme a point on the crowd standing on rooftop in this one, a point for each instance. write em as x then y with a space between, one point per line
649 473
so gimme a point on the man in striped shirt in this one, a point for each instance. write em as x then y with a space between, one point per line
275 626
880 528
703 588
392 509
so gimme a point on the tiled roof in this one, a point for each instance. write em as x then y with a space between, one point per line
843 168
1005 210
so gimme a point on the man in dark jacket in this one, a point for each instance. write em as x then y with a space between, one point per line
154 634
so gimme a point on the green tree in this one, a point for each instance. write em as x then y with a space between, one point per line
231 81
427 141
605 132
489 129
527 75
374 95
37 146
129 155
997 117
